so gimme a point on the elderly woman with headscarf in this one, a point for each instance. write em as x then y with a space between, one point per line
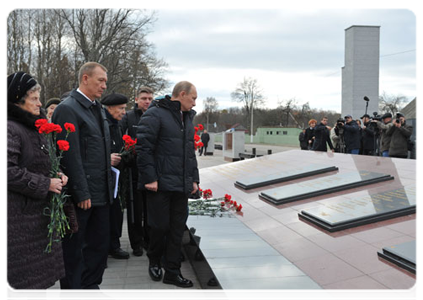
28 188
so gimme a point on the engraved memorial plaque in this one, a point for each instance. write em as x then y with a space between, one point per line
322 186
335 214
282 176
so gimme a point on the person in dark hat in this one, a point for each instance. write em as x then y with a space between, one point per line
400 132
385 140
115 105
51 106
368 134
29 188
352 135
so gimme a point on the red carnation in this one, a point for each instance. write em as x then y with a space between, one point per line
196 137
196 129
40 122
222 203
228 197
200 144
200 126
63 145
239 207
69 127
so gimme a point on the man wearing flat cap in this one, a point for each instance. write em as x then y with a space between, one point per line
115 105
385 140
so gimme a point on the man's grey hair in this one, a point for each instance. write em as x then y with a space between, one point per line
183 86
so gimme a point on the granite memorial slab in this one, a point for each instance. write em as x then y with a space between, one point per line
338 214
402 255
283 176
241 261
322 186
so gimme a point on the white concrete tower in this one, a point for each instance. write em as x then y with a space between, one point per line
360 75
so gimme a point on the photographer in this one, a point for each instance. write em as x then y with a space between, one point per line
352 135
400 132
337 136
385 139
369 139
321 133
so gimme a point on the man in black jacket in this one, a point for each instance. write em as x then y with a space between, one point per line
321 136
115 105
205 138
352 135
168 171
369 136
87 163
138 229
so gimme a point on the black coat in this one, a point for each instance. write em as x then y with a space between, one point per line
129 122
369 136
321 137
87 163
165 147
303 141
205 138
28 182
309 135
352 135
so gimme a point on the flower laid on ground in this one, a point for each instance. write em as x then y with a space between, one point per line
59 223
213 207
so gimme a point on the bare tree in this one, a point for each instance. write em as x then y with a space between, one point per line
250 94
391 103
52 45
210 106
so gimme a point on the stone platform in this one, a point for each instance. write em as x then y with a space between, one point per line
346 259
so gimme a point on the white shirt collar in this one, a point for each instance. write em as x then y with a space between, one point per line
91 101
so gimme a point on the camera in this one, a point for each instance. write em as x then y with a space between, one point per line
398 116
376 117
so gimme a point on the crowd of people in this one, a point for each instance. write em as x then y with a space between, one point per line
378 136
158 177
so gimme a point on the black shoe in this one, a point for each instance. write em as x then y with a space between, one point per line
119 254
138 251
99 295
155 272
177 280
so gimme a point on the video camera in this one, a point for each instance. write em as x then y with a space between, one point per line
376 117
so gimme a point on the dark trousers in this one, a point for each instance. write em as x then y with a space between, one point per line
138 230
204 148
116 222
85 252
167 215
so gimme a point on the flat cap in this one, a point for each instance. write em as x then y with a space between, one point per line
387 115
114 99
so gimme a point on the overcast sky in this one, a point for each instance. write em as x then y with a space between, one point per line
292 53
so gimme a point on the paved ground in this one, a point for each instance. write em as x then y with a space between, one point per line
132 273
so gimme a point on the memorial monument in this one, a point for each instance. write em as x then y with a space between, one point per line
319 241
360 75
